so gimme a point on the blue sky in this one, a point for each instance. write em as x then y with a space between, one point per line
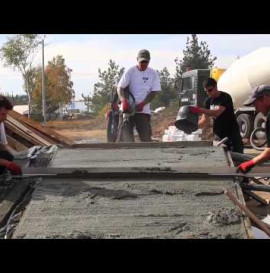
84 54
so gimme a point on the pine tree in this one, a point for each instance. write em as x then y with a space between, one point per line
167 93
103 89
196 56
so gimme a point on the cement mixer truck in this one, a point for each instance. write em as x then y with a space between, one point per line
238 80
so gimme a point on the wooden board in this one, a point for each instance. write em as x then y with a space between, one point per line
246 221
16 145
20 139
23 134
45 137
44 130
27 131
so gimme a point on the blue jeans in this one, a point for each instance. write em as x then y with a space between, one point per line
5 155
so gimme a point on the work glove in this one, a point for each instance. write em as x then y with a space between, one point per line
126 107
15 169
246 166
115 106
195 109
139 107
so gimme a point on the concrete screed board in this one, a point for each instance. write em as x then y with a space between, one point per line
134 208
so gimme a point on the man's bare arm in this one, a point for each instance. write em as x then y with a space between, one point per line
264 156
203 120
150 97
8 149
120 92
4 148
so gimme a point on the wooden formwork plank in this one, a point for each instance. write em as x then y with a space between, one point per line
34 129
18 138
23 134
27 131
246 221
44 130
45 137
15 144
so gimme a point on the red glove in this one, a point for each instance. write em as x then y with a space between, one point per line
115 106
15 169
195 109
140 106
246 166
126 107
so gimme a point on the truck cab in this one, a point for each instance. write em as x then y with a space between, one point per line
192 91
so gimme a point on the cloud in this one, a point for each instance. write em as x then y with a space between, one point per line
225 61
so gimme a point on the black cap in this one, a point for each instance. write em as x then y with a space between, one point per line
256 93
143 55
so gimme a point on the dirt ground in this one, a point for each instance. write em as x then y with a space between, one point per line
162 120
78 130
95 129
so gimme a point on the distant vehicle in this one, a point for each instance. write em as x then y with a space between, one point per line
71 114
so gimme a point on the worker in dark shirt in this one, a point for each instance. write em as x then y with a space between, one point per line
260 98
6 158
219 105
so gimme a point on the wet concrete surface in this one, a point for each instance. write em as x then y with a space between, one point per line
88 209
140 157
149 207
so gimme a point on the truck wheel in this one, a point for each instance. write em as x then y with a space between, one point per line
259 121
245 125
258 139
112 127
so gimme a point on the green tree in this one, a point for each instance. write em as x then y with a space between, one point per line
196 56
58 86
16 99
18 53
167 93
103 89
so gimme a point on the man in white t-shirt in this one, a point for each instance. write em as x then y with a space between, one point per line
6 158
143 83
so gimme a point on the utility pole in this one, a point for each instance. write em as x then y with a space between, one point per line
43 87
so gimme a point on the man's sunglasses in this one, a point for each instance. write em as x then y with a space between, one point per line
144 62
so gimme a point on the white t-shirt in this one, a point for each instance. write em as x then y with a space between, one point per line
140 83
3 139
